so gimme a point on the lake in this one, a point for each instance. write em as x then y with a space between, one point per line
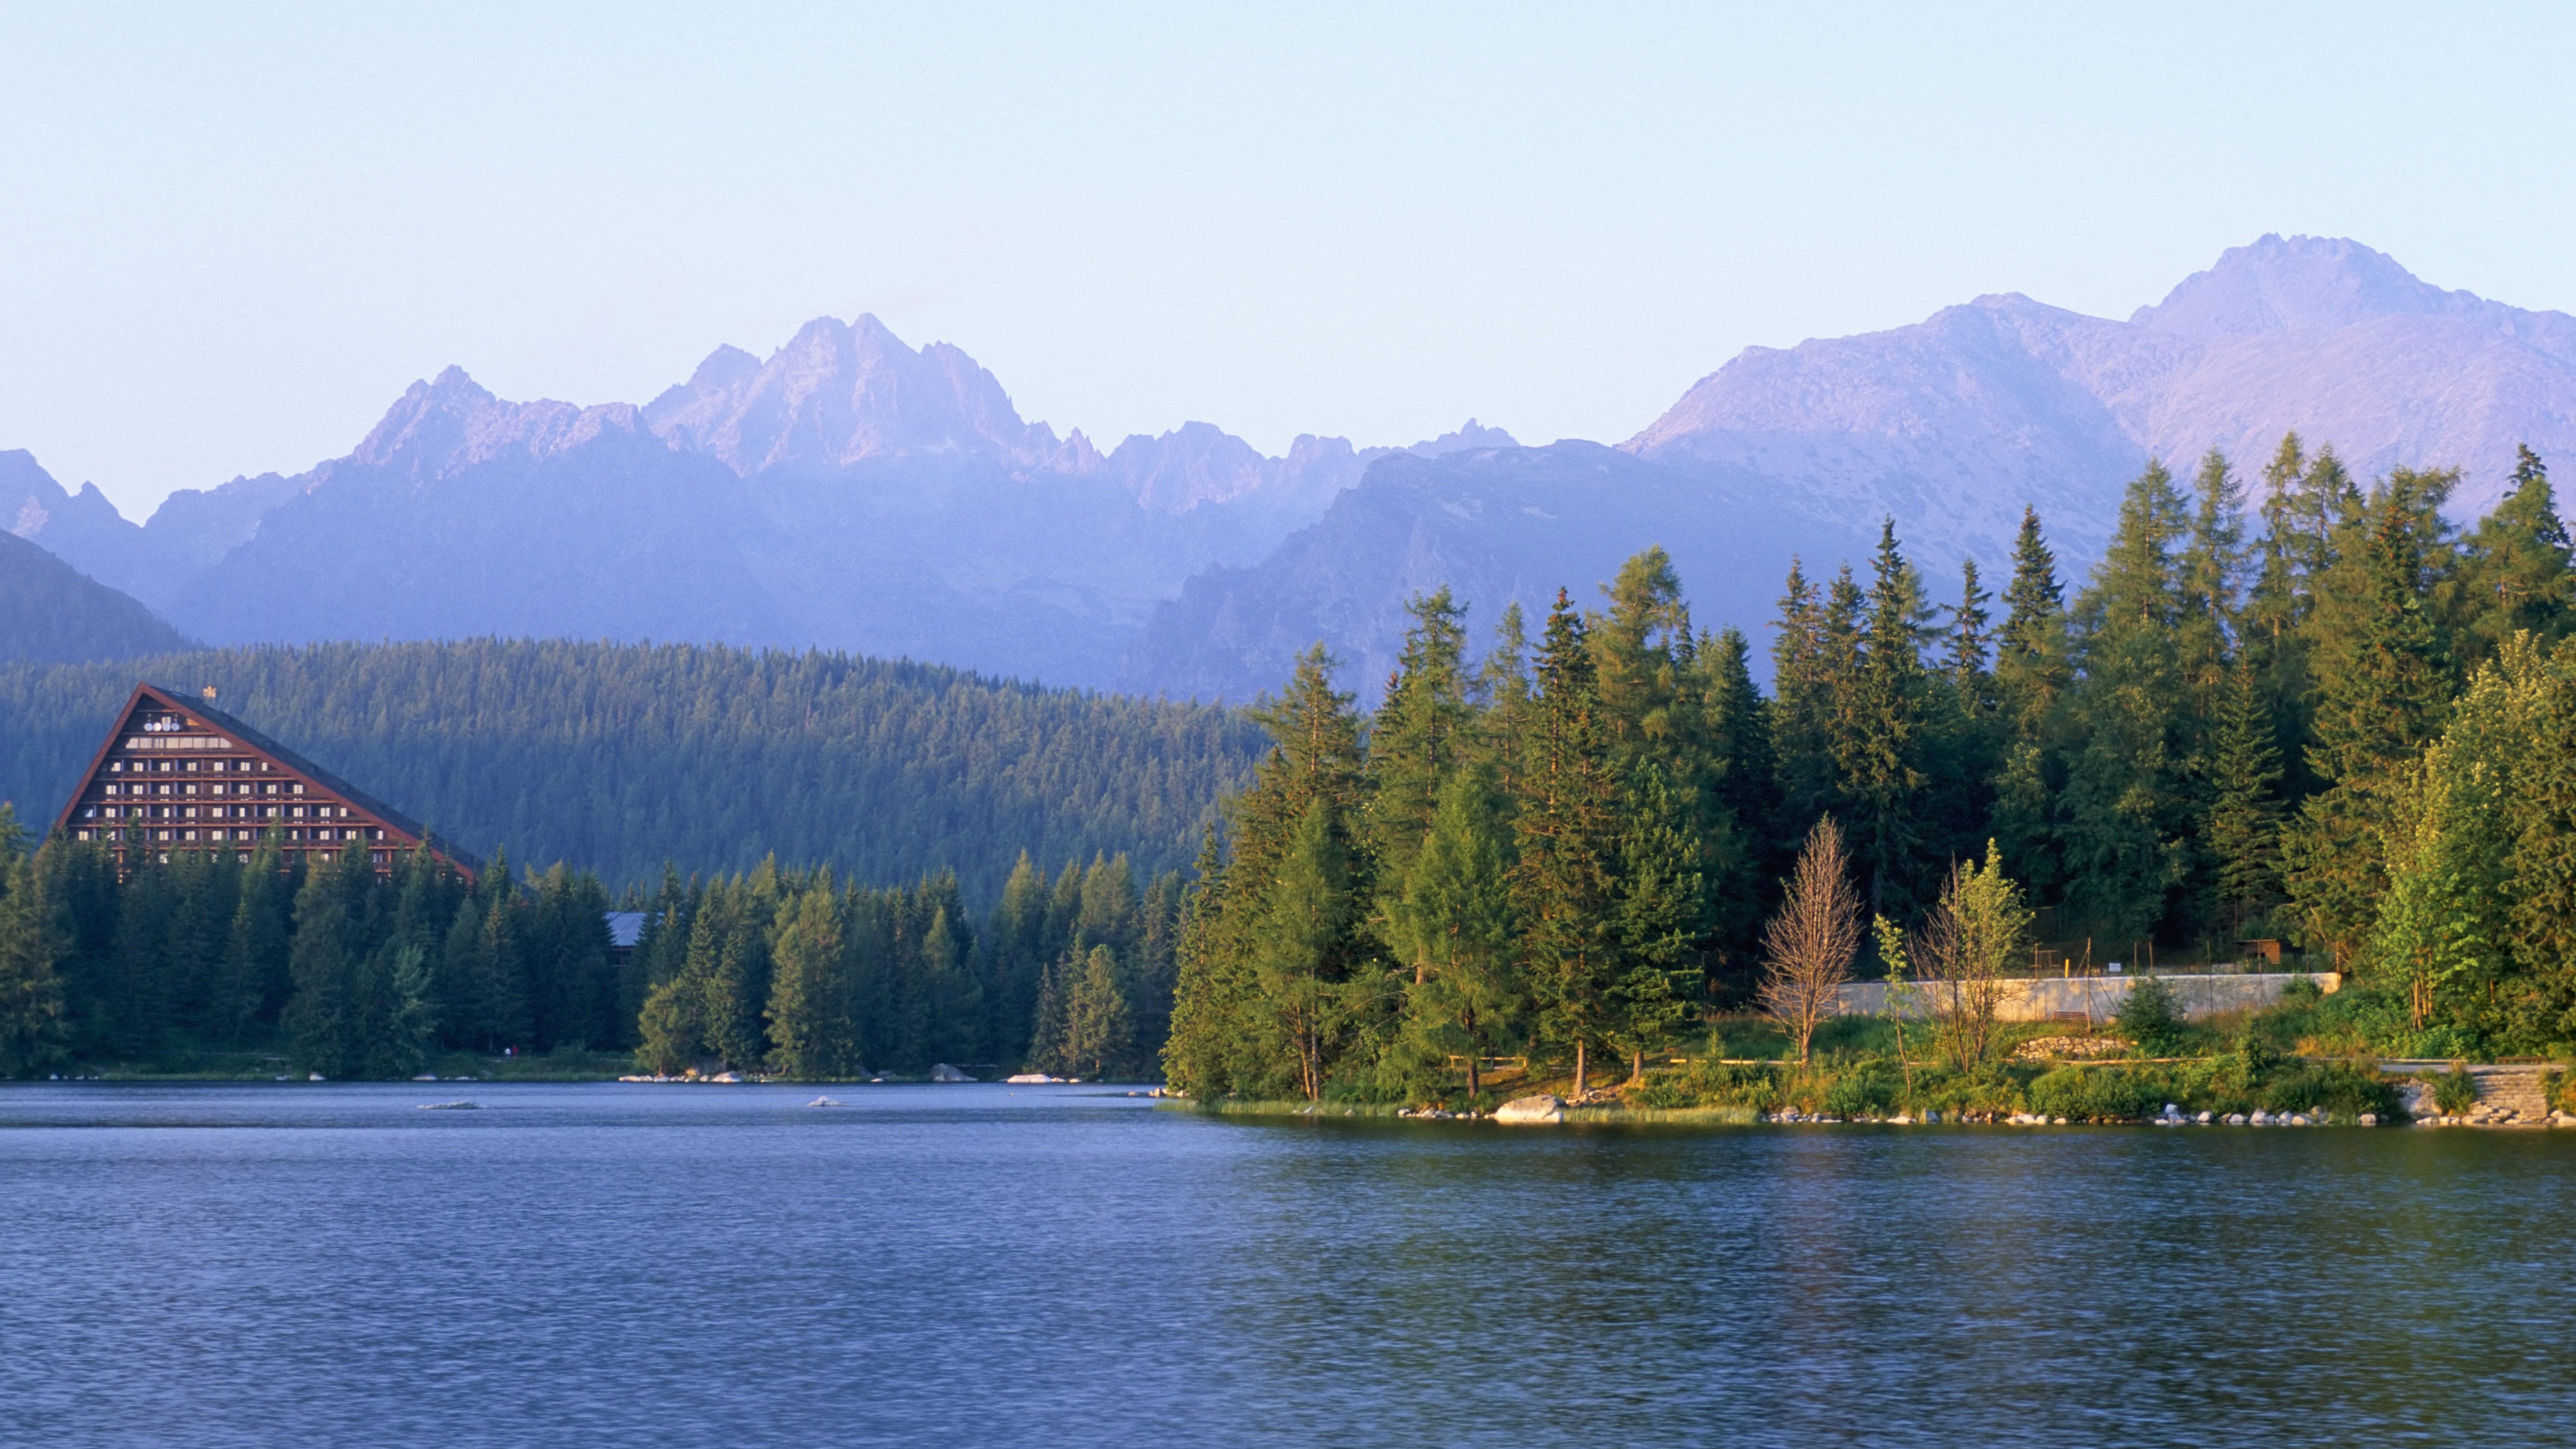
984 1265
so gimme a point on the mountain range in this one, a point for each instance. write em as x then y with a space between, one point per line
854 492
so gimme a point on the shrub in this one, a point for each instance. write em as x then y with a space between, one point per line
2301 993
2149 1017
2455 1091
1868 1089
2094 1093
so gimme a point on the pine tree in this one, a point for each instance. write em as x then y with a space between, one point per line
1451 929
1098 1025
810 1021
1802 702
2128 801
322 1017
2241 828
33 1031
1422 730
1301 953
1746 793
1566 827
2515 576
1279 926
2033 669
1656 918
1881 749
2211 577
2386 684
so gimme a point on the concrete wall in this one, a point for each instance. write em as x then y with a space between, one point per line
2046 998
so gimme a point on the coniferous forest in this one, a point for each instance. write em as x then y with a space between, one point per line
621 758
344 970
2321 715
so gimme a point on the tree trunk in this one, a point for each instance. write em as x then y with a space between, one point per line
1578 1066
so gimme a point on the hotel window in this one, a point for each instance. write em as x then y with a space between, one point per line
299 787
188 789
187 835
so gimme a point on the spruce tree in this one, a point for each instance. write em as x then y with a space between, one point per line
1099 1028
2515 576
1881 746
1302 947
1566 828
2241 828
1452 931
1802 707
33 1031
1656 919
810 1023
2385 685
2129 808
2032 671
1421 731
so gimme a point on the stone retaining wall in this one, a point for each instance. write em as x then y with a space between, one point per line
2096 998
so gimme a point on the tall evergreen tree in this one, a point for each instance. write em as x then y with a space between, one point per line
2241 827
2385 684
2129 805
1451 929
2515 577
33 1031
810 1021
1566 828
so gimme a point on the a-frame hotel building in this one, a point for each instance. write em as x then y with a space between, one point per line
179 775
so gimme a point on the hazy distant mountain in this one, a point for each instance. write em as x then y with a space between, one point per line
51 614
1953 423
1498 526
849 491
852 491
1949 426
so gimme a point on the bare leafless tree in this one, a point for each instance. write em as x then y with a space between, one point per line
1807 948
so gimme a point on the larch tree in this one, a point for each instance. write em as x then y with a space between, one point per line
1808 947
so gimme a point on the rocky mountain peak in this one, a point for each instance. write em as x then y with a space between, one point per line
2296 284
453 422
844 392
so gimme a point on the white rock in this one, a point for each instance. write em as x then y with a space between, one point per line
2369 1119
1528 1110
2203 1119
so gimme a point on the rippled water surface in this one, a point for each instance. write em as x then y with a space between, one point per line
982 1265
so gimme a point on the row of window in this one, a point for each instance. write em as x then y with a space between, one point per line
191 787
213 812
190 767
354 832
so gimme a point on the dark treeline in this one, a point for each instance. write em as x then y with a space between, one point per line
346 970
2234 730
351 972
623 757
814 978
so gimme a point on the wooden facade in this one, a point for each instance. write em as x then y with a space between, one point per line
176 775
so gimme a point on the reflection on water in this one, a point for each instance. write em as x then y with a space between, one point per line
987 1265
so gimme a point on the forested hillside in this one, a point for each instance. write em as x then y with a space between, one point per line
51 613
619 758
2340 722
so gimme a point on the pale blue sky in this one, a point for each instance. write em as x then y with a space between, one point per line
228 240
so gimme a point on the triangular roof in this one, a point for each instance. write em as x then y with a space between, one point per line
257 742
